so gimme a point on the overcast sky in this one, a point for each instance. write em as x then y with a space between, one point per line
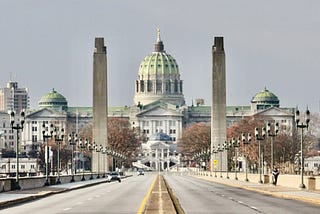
47 44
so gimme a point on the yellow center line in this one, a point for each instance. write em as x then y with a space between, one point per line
145 199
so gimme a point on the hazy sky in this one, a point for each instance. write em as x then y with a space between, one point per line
47 44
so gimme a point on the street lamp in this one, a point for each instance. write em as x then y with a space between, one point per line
220 150
272 134
47 133
259 138
83 146
58 137
73 139
226 147
91 148
235 146
18 126
98 150
215 151
105 152
302 125
245 142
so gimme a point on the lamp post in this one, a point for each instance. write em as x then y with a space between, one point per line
18 127
98 150
259 138
73 139
83 145
91 148
235 146
245 142
215 151
58 137
226 147
208 155
105 152
272 133
302 125
47 132
220 150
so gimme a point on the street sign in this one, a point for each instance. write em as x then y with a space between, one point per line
215 162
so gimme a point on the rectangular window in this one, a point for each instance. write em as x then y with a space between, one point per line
23 166
13 166
34 138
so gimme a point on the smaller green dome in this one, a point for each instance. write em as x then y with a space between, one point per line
265 96
53 100
265 99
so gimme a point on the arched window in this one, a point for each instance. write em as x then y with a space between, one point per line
141 85
149 85
175 86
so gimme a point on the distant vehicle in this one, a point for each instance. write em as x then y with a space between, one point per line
140 172
113 176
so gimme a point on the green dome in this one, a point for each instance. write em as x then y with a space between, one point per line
53 100
265 99
158 63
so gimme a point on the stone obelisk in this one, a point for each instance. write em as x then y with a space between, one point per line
100 106
218 107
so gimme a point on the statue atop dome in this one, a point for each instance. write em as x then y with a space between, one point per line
159 47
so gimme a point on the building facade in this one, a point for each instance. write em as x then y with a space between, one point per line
13 98
158 108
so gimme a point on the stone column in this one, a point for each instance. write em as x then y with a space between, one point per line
218 107
100 101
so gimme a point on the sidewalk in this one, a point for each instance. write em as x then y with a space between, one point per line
19 196
268 189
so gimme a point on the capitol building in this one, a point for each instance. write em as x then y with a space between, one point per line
159 110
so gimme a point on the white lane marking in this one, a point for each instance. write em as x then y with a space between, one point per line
66 209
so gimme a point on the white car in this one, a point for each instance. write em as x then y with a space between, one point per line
140 172
113 176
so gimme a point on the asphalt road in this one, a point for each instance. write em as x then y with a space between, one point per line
114 197
199 196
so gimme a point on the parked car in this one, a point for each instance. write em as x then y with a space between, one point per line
140 172
113 176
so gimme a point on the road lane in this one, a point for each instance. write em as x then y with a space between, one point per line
114 197
199 196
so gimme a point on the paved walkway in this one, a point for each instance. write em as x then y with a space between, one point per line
269 189
19 196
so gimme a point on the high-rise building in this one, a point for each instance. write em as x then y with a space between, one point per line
14 98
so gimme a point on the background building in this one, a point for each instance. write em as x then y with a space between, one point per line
158 108
14 98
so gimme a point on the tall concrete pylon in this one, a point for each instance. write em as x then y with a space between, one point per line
218 108
100 106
